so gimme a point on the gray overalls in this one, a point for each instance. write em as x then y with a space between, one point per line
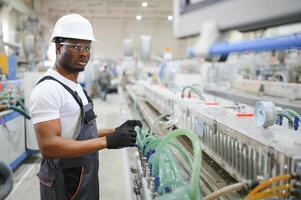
74 178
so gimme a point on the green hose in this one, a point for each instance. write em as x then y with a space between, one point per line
156 121
149 141
151 144
293 114
154 142
195 90
140 137
172 163
287 116
168 174
164 164
194 190
186 155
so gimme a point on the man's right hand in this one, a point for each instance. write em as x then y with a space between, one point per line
122 137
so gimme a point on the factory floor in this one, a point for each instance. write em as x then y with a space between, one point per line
113 164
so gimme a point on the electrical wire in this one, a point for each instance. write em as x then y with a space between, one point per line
268 193
230 188
267 183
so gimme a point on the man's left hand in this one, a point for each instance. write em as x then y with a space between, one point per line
130 124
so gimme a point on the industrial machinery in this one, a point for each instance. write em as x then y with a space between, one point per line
235 149
243 107
12 123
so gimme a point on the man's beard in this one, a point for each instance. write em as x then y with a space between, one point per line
73 69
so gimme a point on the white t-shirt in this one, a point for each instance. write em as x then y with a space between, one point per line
50 100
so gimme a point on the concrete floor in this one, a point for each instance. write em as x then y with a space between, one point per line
113 173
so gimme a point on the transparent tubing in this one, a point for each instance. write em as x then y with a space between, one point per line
153 141
172 163
168 173
185 154
293 113
286 115
193 193
156 121
195 90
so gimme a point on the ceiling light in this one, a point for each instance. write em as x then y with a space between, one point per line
144 4
170 17
138 17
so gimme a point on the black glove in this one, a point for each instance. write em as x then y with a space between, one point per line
123 137
130 124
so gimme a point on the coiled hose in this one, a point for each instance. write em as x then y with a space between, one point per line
194 192
163 163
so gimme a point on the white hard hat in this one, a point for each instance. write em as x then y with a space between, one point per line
73 26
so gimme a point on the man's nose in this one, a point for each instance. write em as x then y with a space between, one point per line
83 52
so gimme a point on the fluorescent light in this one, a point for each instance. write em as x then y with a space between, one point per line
138 17
170 17
144 4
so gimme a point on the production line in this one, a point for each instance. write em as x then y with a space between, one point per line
241 150
150 100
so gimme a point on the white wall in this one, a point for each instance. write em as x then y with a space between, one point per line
110 34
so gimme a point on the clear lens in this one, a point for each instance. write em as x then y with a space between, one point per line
77 47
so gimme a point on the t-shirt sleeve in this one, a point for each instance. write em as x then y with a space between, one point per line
45 102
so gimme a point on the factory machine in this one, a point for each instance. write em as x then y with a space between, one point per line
16 132
224 137
235 149
12 123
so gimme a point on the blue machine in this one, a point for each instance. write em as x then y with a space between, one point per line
12 65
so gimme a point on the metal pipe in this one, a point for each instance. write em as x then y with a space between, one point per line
265 44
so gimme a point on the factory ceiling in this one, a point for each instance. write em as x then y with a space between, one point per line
108 9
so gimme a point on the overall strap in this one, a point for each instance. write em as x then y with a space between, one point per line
88 97
73 93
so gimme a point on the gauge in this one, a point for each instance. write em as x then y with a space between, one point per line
265 113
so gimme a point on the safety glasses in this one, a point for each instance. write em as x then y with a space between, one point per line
77 47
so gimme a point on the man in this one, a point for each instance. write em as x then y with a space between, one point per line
64 119
104 81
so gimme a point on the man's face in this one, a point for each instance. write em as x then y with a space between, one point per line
73 54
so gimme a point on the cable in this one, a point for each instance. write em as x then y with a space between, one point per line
268 193
267 183
230 188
